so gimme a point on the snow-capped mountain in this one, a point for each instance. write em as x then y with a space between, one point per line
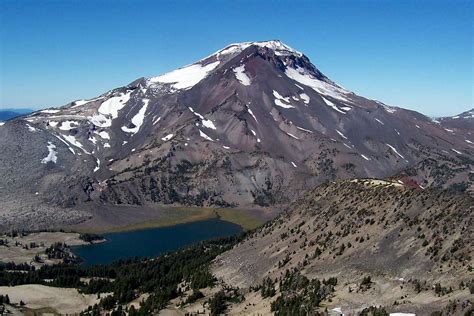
255 123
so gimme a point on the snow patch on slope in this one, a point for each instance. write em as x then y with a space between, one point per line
31 128
395 151
332 105
72 140
380 121
291 135
241 75
304 129
113 105
67 125
282 101
103 134
98 166
137 120
186 77
83 102
167 137
52 154
49 111
251 113
203 135
305 98
341 134
205 122
302 76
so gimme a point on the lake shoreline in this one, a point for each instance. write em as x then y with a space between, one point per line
153 242
147 217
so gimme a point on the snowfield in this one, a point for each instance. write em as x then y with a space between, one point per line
302 76
186 77
113 105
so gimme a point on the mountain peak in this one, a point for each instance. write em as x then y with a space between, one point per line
187 76
277 46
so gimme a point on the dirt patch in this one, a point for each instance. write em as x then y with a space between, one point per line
61 300
22 249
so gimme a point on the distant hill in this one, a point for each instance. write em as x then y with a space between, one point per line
12 113
461 122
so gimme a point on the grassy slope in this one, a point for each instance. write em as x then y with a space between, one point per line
182 215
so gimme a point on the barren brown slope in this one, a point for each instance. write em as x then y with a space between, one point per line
406 240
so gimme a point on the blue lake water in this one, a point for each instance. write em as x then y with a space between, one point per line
153 242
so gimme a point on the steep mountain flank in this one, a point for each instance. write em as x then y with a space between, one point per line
253 124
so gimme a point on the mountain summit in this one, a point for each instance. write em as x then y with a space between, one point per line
255 123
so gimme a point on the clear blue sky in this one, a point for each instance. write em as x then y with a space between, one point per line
409 53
